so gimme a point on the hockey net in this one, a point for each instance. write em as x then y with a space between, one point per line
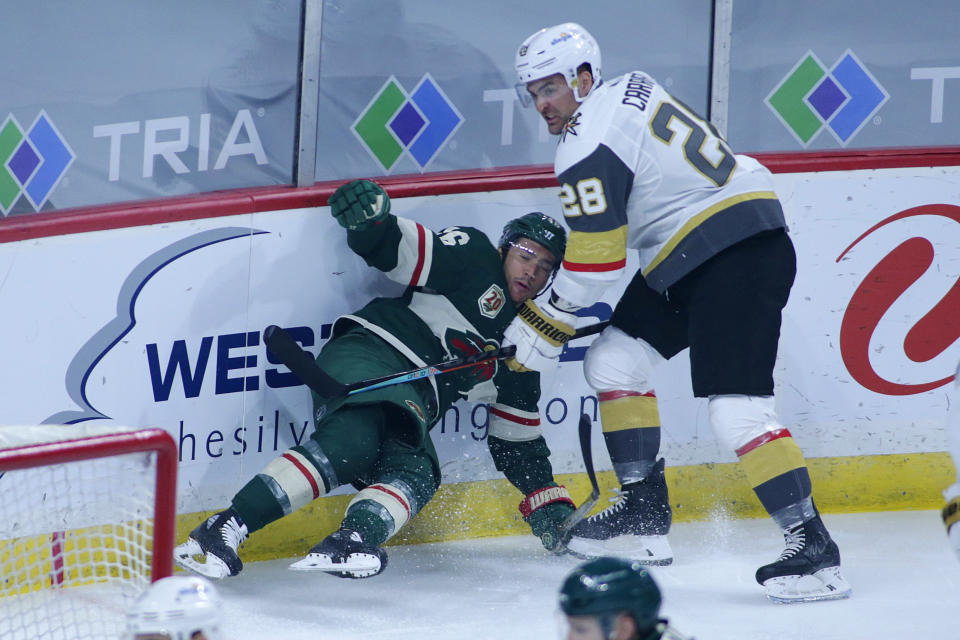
86 523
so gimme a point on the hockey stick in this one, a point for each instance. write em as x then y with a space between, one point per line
586 450
590 329
304 367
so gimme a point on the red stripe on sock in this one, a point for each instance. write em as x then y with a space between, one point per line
603 396
763 439
530 422
306 473
382 487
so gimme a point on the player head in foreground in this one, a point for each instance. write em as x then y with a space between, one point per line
610 598
176 608
461 293
639 169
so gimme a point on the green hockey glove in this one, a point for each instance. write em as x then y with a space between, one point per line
545 510
359 204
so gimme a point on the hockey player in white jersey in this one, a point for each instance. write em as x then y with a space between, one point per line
640 170
177 608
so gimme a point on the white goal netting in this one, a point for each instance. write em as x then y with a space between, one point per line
86 522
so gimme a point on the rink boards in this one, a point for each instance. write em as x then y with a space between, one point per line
160 325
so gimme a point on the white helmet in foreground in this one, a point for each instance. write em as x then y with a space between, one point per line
559 49
176 608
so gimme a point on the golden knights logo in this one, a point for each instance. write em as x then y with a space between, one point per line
462 344
491 301
571 126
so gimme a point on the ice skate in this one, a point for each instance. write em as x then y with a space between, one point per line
344 554
808 569
634 527
215 541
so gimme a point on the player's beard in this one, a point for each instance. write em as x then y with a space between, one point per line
520 291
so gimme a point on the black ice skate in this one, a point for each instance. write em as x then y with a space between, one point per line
215 541
344 554
635 527
808 569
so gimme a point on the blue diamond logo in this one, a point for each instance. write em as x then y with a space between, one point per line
407 123
419 124
32 162
23 162
812 98
827 98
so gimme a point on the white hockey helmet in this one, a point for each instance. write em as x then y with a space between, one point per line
176 608
558 49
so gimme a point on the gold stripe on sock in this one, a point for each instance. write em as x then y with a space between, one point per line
772 459
628 411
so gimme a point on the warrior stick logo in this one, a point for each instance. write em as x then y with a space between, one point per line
32 161
419 123
842 98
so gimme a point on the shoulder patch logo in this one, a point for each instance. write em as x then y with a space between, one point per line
491 301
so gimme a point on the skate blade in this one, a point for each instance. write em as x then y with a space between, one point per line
826 584
213 567
358 565
647 550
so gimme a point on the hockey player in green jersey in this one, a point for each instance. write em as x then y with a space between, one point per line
462 292
611 598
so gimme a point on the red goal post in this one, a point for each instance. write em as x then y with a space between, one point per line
88 522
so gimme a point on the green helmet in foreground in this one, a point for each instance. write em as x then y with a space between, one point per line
609 586
540 228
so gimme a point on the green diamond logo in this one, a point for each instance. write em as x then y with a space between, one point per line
787 100
418 123
371 126
841 98
10 137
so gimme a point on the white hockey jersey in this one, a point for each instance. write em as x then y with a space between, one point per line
640 169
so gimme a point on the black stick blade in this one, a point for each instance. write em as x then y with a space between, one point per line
301 363
587 451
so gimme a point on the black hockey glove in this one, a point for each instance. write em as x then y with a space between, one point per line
359 204
545 510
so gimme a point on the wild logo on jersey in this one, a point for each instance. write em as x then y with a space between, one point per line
463 344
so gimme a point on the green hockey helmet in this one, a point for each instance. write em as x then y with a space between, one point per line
540 228
607 586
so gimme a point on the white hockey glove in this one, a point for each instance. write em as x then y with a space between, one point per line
951 519
539 334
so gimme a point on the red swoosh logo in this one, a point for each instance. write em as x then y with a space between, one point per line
932 334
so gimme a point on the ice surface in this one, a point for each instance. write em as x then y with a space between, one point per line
906 584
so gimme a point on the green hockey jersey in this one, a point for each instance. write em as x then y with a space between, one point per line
456 304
